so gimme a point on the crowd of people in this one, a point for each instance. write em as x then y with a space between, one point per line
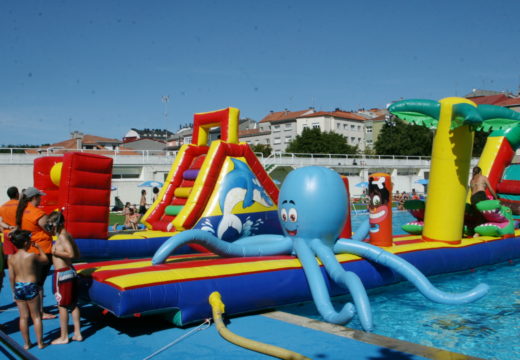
30 252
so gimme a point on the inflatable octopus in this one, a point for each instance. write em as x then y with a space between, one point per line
312 208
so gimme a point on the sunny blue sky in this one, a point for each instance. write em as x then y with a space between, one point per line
103 67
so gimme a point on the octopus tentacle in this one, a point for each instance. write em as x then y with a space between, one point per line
362 231
319 291
410 272
348 279
276 245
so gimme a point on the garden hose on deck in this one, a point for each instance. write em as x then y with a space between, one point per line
218 308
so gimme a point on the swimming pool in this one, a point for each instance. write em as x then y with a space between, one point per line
399 218
488 328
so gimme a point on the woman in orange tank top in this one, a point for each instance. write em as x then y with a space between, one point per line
30 217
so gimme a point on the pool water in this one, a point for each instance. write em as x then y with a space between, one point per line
399 218
488 328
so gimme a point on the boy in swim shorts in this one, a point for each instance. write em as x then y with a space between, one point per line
23 277
65 279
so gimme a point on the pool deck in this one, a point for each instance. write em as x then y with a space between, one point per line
137 338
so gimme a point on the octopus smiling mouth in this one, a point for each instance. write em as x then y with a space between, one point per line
292 232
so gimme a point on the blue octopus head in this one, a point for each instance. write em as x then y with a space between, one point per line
313 203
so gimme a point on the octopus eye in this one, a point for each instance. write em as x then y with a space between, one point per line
376 200
293 215
283 214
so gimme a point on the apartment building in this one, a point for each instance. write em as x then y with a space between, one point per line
278 129
345 123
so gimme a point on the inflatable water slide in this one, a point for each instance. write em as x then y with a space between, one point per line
263 271
221 188
497 164
205 185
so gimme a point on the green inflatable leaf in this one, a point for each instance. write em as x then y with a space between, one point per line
465 114
417 111
497 117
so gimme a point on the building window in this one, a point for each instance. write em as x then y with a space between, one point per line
359 128
345 126
407 171
338 125
288 126
315 125
277 141
352 127
267 141
352 139
305 126
276 128
288 139
369 142
126 172
369 129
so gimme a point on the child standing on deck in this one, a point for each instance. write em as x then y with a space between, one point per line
65 285
23 277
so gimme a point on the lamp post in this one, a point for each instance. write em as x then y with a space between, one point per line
165 100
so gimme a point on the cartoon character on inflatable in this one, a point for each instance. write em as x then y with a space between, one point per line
499 219
240 185
416 209
380 209
312 209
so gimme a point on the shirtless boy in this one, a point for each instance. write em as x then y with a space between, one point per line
65 282
478 185
23 273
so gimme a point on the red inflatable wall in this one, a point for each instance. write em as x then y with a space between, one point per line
42 181
85 194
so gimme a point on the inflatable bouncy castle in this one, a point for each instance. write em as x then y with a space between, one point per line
220 187
281 268
455 120
497 164
78 184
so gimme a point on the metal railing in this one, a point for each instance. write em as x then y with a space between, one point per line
143 157
28 155
351 160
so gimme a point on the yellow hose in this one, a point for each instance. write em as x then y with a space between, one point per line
218 308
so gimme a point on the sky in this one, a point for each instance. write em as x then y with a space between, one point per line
103 67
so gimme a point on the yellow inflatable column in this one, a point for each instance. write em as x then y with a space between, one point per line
451 161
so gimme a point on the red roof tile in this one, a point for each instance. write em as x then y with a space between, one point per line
284 115
338 114
510 102
489 100
252 132
91 140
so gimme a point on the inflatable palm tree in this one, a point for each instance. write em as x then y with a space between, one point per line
455 120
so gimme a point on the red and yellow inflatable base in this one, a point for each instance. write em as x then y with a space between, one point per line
180 287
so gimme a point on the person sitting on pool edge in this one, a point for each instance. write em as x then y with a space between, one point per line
131 219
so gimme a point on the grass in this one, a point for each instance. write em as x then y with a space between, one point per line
115 218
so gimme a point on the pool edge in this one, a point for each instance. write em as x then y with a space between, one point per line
369 338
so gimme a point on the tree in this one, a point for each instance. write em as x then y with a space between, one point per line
398 138
262 148
313 141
